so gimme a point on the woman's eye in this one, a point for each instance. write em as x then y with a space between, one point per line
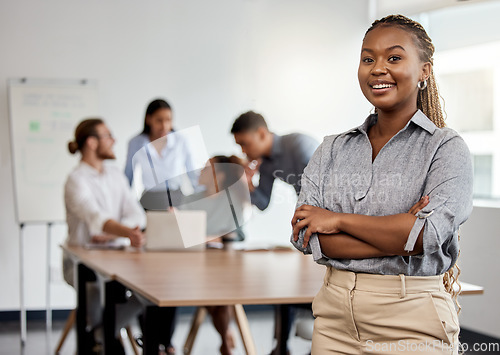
394 58
367 60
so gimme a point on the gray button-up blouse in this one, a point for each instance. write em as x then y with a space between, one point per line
419 160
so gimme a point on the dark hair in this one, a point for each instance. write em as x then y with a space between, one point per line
248 121
154 106
428 98
84 130
232 167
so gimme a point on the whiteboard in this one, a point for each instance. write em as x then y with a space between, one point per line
43 118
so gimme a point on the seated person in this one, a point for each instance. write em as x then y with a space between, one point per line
99 207
225 198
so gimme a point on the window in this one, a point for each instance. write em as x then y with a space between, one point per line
483 173
468 99
471 93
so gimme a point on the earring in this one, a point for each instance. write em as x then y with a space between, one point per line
421 85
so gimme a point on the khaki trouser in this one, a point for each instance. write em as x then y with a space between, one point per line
383 314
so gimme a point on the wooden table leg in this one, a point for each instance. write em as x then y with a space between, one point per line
199 317
244 327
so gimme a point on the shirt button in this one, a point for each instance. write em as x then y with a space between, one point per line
359 195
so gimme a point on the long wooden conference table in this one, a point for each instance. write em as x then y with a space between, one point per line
174 279
213 277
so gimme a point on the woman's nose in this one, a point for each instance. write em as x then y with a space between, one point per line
379 68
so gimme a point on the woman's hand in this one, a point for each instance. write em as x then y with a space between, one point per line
424 201
316 219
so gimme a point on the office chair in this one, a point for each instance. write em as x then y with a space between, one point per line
71 321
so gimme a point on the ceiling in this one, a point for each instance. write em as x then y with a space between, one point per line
410 7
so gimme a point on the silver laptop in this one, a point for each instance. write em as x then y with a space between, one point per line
176 230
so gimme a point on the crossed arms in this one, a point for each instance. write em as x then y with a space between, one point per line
354 236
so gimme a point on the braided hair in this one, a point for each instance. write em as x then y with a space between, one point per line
427 101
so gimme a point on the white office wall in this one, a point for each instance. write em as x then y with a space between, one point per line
294 61
465 25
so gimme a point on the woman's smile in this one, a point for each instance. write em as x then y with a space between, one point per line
381 87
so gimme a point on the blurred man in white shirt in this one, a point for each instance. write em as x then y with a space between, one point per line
99 203
100 207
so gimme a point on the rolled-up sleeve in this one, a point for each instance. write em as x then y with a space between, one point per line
449 187
80 201
310 194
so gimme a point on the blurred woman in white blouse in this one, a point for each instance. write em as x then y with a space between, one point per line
160 154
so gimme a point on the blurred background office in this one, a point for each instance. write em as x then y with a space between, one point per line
294 61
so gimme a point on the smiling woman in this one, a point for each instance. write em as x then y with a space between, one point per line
389 248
